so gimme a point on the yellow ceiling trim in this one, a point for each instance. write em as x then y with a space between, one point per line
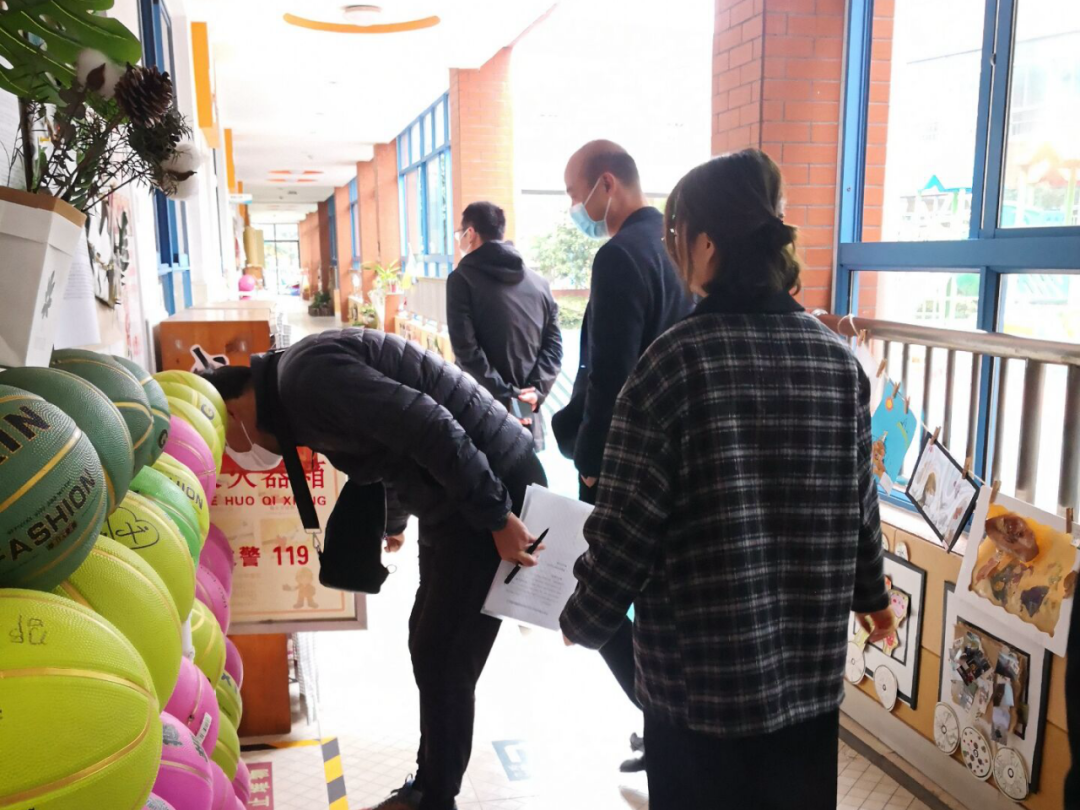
204 83
230 162
347 28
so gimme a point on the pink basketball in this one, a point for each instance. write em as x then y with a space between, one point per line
157 803
189 448
234 664
224 797
212 593
194 703
184 778
242 783
241 805
217 557
247 282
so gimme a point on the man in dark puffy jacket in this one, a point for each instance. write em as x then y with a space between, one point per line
382 409
503 320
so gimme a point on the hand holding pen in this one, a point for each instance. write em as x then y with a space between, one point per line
529 551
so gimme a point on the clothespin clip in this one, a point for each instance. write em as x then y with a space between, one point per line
937 432
1069 527
907 404
994 490
864 336
881 368
968 462
896 389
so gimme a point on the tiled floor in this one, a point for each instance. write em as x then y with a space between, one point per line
862 786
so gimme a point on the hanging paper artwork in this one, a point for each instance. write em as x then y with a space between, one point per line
996 684
1022 566
893 428
942 493
898 653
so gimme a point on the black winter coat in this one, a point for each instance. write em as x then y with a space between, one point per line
383 409
504 325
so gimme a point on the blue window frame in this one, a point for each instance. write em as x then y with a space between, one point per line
354 217
424 190
174 260
1005 252
331 208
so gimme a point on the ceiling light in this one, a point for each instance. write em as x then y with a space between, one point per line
361 13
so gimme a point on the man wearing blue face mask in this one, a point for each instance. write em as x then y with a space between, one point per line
635 296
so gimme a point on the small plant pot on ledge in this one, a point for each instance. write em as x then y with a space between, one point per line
38 239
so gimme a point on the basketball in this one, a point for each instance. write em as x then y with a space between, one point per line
200 384
229 700
234 664
217 558
224 796
141 526
161 489
52 492
188 447
242 783
189 486
125 589
184 777
194 417
157 803
227 753
210 591
80 721
159 406
121 387
194 703
209 642
95 416
203 403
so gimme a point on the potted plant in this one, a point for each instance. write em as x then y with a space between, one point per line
91 121
322 304
368 317
387 276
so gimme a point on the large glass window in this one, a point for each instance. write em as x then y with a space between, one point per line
281 246
424 187
959 204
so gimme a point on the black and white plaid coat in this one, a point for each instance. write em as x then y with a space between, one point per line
738 512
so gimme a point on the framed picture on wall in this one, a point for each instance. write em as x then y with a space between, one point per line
994 680
942 493
900 653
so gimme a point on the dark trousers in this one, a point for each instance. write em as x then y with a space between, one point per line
1072 709
690 769
450 640
618 653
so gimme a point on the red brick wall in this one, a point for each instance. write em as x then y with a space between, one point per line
482 137
777 74
310 250
386 184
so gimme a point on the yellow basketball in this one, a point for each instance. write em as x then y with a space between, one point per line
139 524
227 751
229 701
209 642
126 590
200 401
203 386
80 727
189 485
194 417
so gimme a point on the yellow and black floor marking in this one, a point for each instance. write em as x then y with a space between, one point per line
335 775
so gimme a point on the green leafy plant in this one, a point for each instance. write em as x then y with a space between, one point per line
564 256
387 276
368 317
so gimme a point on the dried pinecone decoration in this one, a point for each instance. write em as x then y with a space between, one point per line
145 94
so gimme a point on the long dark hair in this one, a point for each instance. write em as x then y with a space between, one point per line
736 201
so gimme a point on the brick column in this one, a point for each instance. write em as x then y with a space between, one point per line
777 75
322 271
344 247
377 195
482 137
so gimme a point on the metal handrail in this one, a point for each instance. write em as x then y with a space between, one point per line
994 344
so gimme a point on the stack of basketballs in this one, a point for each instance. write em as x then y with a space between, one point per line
118 688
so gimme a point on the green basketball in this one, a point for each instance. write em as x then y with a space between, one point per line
200 384
95 415
121 387
208 641
52 492
159 488
229 701
200 401
159 406
227 751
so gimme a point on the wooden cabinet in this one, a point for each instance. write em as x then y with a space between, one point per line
189 339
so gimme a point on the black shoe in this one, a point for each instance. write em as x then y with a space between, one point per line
636 765
406 797
637 744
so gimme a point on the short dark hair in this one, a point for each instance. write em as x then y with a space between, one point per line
230 381
486 218
616 162
736 200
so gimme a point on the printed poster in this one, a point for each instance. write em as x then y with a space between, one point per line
893 428
276 578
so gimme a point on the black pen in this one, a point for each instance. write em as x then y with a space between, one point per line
529 550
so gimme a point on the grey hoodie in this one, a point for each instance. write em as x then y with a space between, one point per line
504 325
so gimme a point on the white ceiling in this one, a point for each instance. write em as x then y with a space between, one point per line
303 100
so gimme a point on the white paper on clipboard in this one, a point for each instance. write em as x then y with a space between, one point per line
538 595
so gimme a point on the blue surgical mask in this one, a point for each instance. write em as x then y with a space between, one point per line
592 228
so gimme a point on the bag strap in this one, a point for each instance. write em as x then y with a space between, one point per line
293 466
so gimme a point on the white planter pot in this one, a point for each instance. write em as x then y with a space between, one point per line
38 239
